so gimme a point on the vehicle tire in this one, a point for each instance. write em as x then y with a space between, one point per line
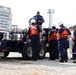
5 54
42 52
27 51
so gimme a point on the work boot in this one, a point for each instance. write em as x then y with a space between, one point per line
34 59
66 60
73 58
74 61
51 59
61 60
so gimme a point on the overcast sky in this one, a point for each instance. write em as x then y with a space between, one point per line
23 10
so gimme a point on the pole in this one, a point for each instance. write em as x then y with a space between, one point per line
50 11
50 20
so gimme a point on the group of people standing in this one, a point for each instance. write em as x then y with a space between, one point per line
58 39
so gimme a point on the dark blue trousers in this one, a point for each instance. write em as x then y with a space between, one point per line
36 46
53 49
74 50
63 45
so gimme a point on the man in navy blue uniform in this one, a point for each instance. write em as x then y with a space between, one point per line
39 19
35 34
53 44
63 37
74 46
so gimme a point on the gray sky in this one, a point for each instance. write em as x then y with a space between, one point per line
23 10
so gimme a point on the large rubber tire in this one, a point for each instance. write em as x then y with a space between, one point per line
5 54
27 52
42 52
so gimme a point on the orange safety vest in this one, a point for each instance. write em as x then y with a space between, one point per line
74 37
64 34
53 36
33 30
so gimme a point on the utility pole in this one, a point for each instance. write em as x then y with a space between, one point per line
50 11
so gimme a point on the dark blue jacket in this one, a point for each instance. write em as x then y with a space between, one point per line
39 18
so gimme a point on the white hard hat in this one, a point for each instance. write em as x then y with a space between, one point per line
60 23
33 21
53 25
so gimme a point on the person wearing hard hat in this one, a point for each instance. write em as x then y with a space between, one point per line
53 43
35 34
74 46
63 37
39 19
30 21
